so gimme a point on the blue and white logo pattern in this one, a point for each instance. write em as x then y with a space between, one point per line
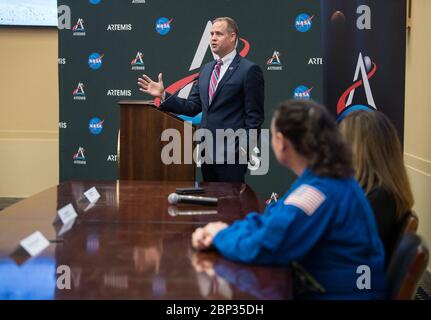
303 22
95 60
95 125
163 25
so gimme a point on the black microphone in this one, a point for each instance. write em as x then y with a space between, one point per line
175 198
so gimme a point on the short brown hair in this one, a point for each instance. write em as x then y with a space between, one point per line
231 24
314 135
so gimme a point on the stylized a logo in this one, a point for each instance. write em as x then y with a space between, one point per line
361 67
198 58
186 83
79 25
79 154
138 60
79 90
275 59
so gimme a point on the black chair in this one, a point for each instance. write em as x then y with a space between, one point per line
410 223
407 265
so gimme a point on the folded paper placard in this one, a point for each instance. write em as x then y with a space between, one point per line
34 243
92 195
66 214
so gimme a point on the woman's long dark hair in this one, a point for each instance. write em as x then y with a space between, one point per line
314 135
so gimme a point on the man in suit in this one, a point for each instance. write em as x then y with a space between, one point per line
229 93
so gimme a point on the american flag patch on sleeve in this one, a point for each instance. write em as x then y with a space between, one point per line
306 198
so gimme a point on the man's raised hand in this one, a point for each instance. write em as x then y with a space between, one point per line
156 89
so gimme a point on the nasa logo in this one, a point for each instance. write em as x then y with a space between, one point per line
163 25
303 22
95 125
95 60
302 93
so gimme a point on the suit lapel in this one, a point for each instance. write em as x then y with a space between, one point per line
229 72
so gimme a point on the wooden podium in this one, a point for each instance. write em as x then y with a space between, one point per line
140 145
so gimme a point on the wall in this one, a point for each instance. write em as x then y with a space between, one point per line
417 134
28 110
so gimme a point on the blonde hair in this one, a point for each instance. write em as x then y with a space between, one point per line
377 156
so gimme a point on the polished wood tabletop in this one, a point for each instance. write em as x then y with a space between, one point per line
130 244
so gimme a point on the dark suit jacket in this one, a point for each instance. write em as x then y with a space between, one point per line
384 206
238 101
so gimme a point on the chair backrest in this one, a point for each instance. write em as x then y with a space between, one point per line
407 266
410 223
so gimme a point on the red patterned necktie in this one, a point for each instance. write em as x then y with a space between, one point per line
214 79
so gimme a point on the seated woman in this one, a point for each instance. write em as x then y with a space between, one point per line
324 221
379 167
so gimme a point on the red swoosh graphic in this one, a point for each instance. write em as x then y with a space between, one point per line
308 91
309 19
189 79
246 48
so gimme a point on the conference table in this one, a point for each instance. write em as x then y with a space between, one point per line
130 244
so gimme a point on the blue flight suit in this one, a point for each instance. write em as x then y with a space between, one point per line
331 234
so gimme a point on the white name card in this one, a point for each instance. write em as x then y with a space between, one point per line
67 214
66 227
34 243
92 195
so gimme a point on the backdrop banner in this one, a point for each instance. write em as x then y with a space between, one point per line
112 43
364 53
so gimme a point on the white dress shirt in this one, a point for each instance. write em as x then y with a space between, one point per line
227 60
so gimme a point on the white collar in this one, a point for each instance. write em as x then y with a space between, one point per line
227 59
